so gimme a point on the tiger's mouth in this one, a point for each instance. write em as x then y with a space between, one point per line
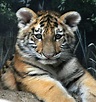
48 60
43 57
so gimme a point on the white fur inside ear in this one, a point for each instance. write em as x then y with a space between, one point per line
19 11
77 18
72 19
21 25
25 15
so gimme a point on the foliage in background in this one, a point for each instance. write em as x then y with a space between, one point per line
86 52
8 31
87 9
7 18
91 57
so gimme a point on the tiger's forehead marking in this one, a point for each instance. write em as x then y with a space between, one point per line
48 24
59 30
38 29
48 20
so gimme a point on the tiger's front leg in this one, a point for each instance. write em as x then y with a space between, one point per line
87 88
46 89
78 81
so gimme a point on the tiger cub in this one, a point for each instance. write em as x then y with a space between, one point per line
44 63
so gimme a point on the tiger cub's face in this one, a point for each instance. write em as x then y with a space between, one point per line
46 36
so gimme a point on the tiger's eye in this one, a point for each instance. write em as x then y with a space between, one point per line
38 36
58 36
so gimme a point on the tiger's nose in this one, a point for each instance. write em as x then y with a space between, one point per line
48 55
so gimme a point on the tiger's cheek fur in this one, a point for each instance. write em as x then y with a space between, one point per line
39 47
58 47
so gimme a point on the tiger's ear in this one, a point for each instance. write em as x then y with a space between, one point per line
25 16
72 19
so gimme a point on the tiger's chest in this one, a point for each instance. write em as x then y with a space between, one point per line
64 72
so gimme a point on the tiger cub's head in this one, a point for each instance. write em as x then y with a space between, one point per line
46 36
